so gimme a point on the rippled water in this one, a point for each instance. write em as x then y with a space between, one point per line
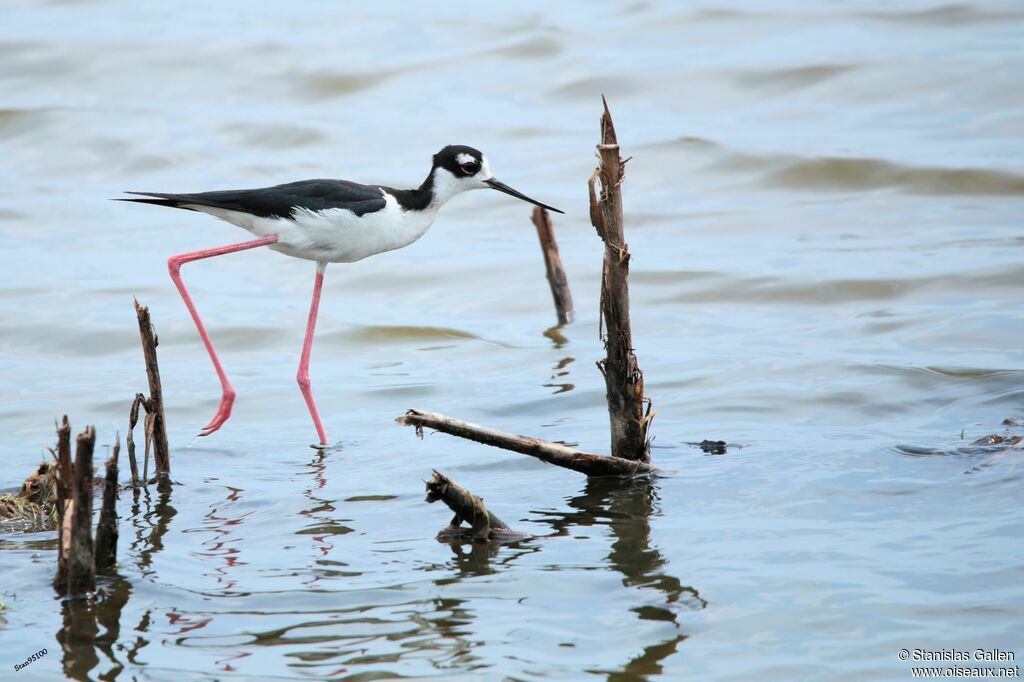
824 207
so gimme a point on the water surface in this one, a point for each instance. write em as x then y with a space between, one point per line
824 209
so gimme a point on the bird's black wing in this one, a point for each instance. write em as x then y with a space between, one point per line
279 201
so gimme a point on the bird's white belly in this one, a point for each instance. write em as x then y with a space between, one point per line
336 235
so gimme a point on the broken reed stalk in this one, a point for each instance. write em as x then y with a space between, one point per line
133 419
106 529
65 501
553 264
552 453
161 450
81 568
469 508
624 381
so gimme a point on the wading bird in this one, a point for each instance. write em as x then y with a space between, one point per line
327 221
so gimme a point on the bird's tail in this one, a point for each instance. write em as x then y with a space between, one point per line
162 199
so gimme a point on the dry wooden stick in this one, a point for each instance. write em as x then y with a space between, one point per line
65 503
469 508
624 381
553 264
81 569
161 450
552 453
133 419
106 529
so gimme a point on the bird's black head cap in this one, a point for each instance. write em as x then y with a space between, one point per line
459 160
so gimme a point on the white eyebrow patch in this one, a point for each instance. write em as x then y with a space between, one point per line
463 159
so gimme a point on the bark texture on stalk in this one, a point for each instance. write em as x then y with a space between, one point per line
106 529
65 502
624 382
81 568
161 450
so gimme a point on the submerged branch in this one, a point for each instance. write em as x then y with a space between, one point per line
552 453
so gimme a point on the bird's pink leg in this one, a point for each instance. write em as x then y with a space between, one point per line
307 346
174 264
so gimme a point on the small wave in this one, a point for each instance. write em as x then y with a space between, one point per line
274 136
15 122
948 15
836 173
714 287
727 288
791 78
587 88
537 47
323 85
401 334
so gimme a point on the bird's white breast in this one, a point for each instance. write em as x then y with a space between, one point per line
335 235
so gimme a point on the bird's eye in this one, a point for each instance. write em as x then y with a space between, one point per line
470 167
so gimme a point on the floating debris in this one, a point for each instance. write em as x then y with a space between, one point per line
484 526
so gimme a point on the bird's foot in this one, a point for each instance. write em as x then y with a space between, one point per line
223 412
327 447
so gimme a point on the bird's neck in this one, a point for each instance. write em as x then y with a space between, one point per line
441 186
432 194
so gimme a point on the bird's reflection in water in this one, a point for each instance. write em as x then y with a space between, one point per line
91 626
220 549
324 525
626 507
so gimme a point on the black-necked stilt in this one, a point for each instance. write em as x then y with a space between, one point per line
327 221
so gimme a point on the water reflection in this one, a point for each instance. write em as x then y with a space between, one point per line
324 525
626 508
77 637
222 544
556 335
559 372
471 559
451 628
150 523
91 626
560 369
647 663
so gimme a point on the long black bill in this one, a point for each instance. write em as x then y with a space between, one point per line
502 187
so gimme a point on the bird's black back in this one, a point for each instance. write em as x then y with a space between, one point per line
279 201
